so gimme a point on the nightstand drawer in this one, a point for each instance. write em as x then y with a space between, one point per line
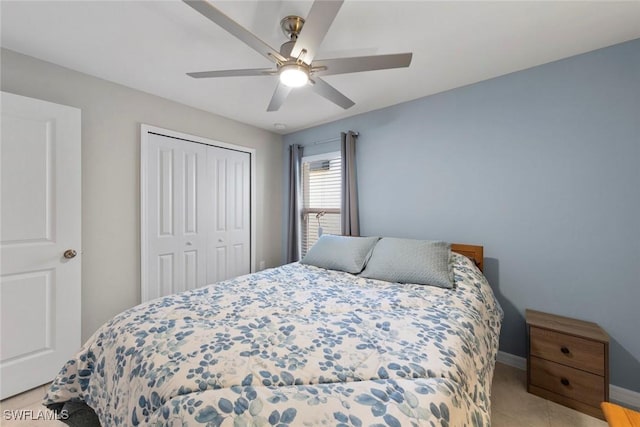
563 380
580 353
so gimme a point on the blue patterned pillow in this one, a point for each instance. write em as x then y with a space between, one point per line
422 262
343 253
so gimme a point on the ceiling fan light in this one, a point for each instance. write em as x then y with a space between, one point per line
293 75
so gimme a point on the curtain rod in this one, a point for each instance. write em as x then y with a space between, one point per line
326 141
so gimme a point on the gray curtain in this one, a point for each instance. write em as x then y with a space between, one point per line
349 205
295 164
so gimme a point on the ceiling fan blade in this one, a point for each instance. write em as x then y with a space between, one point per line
362 63
279 96
324 89
215 15
316 25
233 73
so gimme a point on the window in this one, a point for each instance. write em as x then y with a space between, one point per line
320 197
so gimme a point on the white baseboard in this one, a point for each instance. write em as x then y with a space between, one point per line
624 396
512 360
617 394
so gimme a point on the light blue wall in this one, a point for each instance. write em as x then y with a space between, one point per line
542 167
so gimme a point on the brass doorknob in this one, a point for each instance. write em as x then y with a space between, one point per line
70 253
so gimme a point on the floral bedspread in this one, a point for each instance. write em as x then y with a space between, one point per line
293 346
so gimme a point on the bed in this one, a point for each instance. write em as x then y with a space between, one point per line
292 346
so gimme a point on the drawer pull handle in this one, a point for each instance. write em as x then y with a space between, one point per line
565 350
564 381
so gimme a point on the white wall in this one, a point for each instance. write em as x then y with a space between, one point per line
111 118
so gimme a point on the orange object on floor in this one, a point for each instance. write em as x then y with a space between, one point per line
617 416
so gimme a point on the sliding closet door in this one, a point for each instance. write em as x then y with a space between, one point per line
196 214
176 219
229 239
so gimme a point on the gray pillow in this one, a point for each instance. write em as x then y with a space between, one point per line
423 262
343 253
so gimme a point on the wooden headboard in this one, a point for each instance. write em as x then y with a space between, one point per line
473 252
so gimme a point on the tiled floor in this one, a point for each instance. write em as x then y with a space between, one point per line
512 406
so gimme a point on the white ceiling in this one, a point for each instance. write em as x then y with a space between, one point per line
150 45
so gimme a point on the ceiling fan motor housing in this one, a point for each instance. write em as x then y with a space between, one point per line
286 47
293 72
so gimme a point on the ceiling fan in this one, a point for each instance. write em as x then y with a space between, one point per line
295 63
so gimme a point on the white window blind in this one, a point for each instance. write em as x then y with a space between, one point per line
320 197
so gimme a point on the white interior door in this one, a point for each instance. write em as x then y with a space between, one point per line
196 218
228 243
40 220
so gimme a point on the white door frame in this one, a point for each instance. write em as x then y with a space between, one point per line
145 130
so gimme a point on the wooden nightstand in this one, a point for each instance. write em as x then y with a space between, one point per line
568 361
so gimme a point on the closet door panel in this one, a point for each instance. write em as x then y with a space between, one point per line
196 213
229 239
176 220
238 212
